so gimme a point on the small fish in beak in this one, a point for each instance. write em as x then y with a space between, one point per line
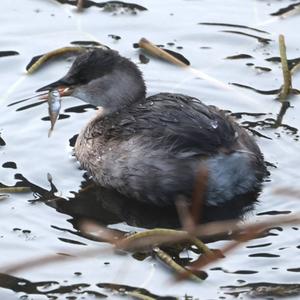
54 105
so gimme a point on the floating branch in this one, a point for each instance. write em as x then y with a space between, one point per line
39 60
151 48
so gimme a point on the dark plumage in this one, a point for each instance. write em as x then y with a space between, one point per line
151 149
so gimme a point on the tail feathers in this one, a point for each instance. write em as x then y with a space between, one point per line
232 175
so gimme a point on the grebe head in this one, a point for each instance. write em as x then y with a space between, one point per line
102 78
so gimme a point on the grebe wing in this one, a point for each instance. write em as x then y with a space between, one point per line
179 122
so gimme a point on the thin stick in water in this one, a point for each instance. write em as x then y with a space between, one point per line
167 259
15 189
80 4
287 79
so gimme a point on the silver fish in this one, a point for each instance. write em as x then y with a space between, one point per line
54 105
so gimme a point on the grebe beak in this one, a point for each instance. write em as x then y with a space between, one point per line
64 88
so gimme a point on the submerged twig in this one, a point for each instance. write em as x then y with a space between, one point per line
41 60
287 79
167 259
147 45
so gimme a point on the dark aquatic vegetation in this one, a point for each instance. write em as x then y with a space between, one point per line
9 164
241 272
265 255
286 9
79 108
114 37
8 53
239 56
179 56
274 213
233 25
293 270
30 105
264 69
259 245
2 142
86 43
60 117
143 59
54 105
70 241
259 38
241 114
291 62
263 92
72 140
